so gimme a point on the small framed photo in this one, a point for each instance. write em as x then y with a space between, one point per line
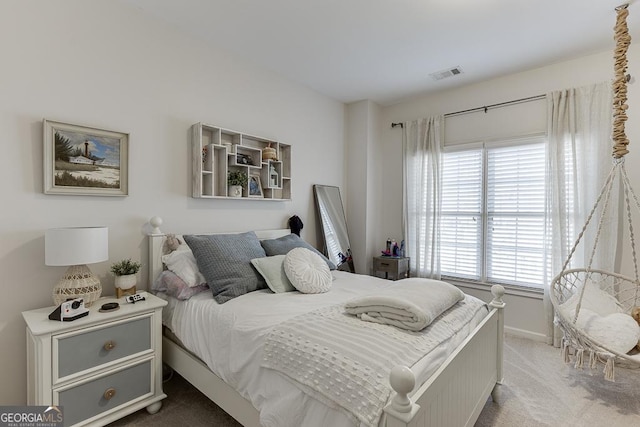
255 186
80 160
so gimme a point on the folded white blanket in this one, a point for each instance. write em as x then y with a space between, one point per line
410 304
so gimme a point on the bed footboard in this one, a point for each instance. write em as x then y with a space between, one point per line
456 393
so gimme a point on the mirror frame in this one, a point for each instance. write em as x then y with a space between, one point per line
343 261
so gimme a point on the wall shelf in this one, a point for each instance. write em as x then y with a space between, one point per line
216 151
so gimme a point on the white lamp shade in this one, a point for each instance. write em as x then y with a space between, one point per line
76 245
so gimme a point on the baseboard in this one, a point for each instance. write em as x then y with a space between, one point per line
523 333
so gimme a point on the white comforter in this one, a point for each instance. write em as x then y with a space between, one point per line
228 338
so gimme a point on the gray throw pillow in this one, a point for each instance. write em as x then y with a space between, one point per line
225 262
282 246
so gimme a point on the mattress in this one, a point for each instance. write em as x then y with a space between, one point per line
228 339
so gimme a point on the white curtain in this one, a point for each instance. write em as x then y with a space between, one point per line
422 146
579 160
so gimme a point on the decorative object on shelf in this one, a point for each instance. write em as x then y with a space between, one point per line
80 160
76 247
125 281
269 153
205 155
244 159
273 176
236 180
255 186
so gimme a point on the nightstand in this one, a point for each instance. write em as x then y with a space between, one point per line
397 267
100 367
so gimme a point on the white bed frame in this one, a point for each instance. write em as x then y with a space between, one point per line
453 396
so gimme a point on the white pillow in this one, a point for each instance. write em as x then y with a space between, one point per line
594 299
617 331
184 265
307 271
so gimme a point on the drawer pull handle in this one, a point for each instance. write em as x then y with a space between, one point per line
109 345
109 393
385 264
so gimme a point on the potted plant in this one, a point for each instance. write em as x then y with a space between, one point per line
125 272
236 180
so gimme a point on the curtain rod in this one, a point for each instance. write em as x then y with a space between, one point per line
485 108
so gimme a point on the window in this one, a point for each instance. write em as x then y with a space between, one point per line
493 212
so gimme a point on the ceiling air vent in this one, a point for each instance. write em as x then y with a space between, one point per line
449 72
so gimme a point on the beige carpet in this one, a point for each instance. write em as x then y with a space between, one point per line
539 390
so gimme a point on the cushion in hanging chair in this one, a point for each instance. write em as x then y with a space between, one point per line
594 299
617 331
603 319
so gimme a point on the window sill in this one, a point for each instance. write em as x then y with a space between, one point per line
509 289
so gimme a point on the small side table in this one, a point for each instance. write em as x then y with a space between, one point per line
392 267
100 367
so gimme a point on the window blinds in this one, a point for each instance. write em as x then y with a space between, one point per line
493 212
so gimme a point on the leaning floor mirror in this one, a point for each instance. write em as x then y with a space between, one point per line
334 226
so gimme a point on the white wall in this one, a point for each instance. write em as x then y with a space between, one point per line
103 64
524 314
363 185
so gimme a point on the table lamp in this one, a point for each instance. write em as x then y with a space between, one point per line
76 247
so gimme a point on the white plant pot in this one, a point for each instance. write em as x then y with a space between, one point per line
235 191
127 281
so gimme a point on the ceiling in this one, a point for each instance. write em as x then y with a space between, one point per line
385 50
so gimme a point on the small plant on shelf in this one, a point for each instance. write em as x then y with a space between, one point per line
237 178
125 267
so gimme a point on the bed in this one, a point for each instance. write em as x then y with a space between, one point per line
447 387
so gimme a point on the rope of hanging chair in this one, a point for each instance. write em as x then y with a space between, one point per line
628 189
623 40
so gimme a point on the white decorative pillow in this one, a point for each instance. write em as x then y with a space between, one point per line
595 299
617 331
307 271
184 265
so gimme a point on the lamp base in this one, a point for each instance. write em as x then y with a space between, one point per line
78 282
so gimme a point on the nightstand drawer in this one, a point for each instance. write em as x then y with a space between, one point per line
77 352
388 266
103 394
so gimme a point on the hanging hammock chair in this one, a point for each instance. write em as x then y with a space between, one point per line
575 291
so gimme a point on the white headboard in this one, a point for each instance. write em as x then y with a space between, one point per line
157 239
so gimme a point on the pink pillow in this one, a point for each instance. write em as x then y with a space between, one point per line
171 284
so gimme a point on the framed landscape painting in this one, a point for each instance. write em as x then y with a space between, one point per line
80 160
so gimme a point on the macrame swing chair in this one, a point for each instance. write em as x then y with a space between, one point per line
568 288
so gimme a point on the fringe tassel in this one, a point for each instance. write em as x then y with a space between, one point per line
565 352
610 370
579 358
593 360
